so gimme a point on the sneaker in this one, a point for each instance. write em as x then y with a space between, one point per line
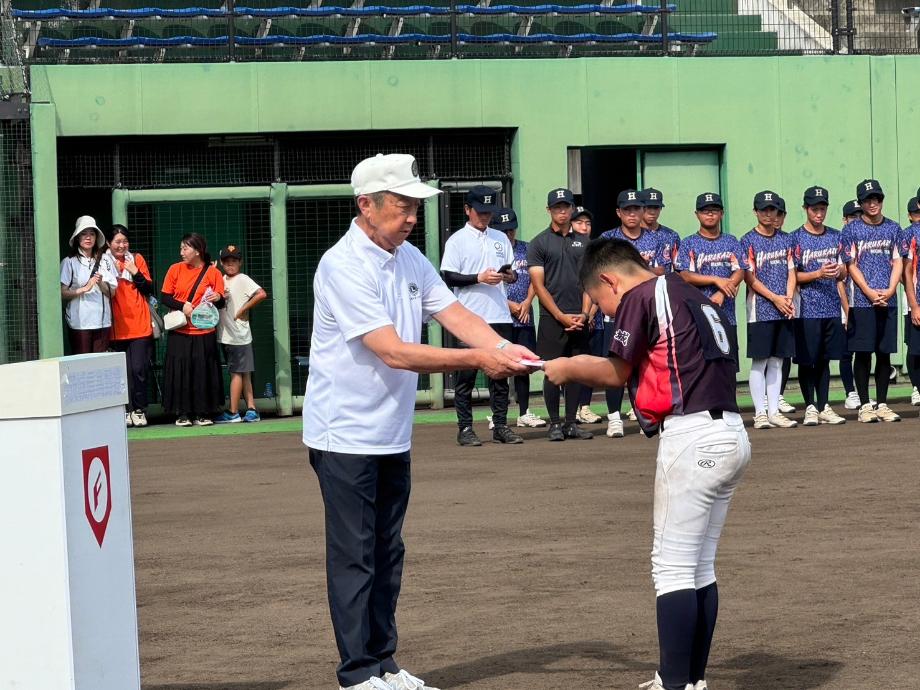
571 430
586 415
503 434
701 685
183 420
251 416
555 432
228 418
614 425
128 420
203 421
762 421
467 437
886 414
867 414
530 419
138 418
374 683
491 423
784 406
405 681
811 416
915 397
631 415
658 684
828 416
782 422
852 401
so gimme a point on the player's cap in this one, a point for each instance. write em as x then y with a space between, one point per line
504 219
394 172
815 195
708 199
913 206
868 188
482 199
652 198
582 211
561 195
629 197
766 199
781 205
87 223
852 208
231 251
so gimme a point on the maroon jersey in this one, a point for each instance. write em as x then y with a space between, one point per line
681 355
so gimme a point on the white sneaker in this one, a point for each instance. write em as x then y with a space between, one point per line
530 419
586 415
138 418
614 425
852 401
886 414
701 685
828 416
784 406
128 420
915 397
491 423
657 684
867 414
762 421
374 683
405 681
631 415
811 416
782 422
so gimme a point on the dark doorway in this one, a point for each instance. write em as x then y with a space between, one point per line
605 172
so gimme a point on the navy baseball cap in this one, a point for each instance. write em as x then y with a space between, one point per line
708 199
482 199
504 219
913 206
652 198
767 199
815 195
852 208
560 195
629 197
582 211
781 205
868 188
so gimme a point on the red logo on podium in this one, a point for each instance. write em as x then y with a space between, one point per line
97 490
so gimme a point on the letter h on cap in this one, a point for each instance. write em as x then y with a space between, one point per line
631 196
560 194
487 199
709 197
506 218
768 197
868 186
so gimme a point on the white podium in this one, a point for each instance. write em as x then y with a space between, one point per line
68 617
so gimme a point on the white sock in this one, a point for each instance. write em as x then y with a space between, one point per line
758 384
613 415
774 383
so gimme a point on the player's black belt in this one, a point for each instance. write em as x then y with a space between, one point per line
716 414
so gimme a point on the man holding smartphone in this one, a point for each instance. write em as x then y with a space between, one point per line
477 265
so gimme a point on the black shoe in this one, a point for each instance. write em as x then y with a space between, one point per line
555 432
571 430
467 437
502 434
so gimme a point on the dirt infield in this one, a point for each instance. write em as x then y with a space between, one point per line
528 566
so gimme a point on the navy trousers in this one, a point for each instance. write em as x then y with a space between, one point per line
365 498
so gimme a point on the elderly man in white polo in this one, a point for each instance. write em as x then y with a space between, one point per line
372 293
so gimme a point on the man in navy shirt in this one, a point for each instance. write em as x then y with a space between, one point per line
652 203
672 348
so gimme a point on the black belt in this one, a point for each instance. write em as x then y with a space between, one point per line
716 414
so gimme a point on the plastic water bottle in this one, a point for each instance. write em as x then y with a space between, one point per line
269 390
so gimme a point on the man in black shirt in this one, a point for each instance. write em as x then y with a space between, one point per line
553 260
672 349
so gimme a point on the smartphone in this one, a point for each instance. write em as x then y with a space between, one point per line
505 269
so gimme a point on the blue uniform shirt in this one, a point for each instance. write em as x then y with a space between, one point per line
818 299
670 244
910 247
720 257
517 291
649 245
874 249
770 260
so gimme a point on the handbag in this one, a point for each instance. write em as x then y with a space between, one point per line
156 321
176 319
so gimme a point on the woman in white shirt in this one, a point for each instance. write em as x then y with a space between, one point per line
88 280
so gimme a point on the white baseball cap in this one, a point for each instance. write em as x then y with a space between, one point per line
394 172
88 223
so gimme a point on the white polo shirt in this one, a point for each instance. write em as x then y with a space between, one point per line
93 309
354 403
470 251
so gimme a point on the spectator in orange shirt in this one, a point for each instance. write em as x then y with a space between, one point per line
193 387
131 329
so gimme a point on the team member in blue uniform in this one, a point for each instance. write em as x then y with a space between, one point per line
874 248
819 336
851 211
784 407
582 223
911 245
712 261
630 211
520 303
770 279
652 203
673 350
